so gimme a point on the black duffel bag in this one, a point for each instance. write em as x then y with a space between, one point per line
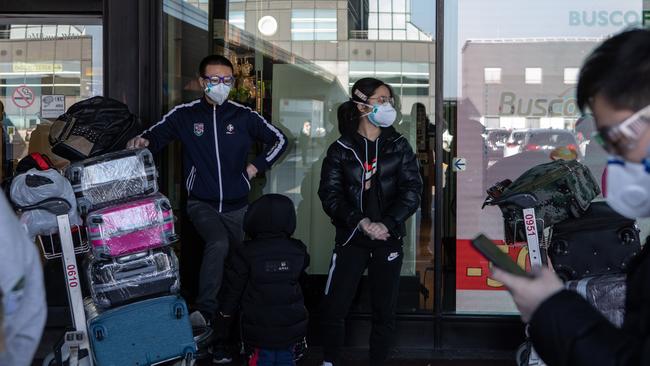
599 242
92 127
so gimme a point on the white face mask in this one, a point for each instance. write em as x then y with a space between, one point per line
218 93
382 115
628 188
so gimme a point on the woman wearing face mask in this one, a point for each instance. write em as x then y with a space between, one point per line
370 184
614 84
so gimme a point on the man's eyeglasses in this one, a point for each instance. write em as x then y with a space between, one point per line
216 80
622 138
382 99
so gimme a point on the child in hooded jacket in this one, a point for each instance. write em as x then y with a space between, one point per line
263 279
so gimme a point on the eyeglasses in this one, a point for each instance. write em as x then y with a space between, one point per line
216 80
383 99
623 137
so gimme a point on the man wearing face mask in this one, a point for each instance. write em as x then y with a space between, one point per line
615 85
217 135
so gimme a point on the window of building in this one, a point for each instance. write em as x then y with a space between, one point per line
44 69
399 6
313 24
571 75
199 4
385 6
533 75
237 19
492 75
391 20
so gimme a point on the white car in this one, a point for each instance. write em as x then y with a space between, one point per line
540 139
514 143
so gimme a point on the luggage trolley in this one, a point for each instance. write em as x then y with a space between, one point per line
75 342
526 354
74 348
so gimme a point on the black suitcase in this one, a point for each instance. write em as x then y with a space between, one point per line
600 242
133 277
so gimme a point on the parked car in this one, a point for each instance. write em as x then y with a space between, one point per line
514 142
495 141
540 139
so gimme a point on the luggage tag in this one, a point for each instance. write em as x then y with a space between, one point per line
532 238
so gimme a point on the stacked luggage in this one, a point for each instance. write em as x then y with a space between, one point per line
106 203
588 244
136 317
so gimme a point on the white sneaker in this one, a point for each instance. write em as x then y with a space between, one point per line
327 364
197 320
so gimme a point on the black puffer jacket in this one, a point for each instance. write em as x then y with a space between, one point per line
341 184
263 274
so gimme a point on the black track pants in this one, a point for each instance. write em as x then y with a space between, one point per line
347 266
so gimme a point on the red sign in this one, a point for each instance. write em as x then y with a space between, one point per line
23 97
472 269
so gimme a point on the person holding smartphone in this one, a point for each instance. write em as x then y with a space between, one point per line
614 84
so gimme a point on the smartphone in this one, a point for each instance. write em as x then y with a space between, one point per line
500 259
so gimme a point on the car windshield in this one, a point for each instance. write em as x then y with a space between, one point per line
516 138
552 139
497 136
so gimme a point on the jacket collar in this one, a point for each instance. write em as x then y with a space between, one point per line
209 106
388 135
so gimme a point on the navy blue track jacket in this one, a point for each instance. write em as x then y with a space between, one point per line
215 163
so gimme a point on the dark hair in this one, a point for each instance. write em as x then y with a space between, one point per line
214 60
619 70
348 114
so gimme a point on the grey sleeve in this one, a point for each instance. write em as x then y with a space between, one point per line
28 322
24 299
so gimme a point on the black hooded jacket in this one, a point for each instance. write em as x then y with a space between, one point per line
263 276
341 184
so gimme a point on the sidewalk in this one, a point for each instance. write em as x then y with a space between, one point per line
354 357
396 363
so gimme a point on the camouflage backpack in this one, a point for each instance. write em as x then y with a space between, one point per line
557 190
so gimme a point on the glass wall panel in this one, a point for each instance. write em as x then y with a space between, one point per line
511 69
297 78
44 69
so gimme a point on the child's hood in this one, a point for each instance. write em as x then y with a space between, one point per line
270 216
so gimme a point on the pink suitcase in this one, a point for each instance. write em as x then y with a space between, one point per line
131 227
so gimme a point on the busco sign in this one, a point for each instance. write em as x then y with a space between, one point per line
604 18
564 104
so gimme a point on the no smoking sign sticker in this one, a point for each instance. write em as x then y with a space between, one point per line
23 97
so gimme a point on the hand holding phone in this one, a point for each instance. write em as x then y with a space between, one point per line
500 259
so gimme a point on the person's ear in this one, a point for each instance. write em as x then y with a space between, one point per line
361 107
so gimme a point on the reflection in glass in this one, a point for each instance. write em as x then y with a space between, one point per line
301 76
38 63
515 85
